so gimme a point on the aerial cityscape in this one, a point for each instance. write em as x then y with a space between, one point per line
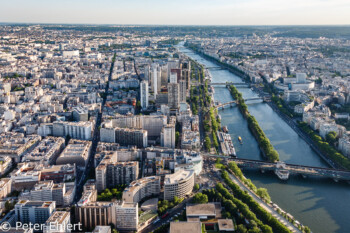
191 121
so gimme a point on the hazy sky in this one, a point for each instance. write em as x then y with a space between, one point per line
183 12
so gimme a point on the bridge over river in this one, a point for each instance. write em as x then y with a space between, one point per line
224 84
283 170
234 102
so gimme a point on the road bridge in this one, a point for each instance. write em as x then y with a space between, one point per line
234 102
283 170
216 68
223 84
230 83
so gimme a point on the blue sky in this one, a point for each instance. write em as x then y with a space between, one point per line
183 12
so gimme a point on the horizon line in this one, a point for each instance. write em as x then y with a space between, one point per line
184 25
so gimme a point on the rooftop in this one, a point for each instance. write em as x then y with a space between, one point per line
58 216
178 176
181 227
226 225
201 210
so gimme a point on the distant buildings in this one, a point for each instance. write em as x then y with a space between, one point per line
80 114
70 54
77 130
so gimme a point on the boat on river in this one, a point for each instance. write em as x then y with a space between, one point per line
240 139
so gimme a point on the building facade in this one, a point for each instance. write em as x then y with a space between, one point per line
178 184
142 188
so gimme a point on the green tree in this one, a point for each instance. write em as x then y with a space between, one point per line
207 143
8 206
331 137
196 187
241 228
177 137
307 230
200 198
263 193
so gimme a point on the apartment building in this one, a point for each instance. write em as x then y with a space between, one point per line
58 222
141 189
127 216
178 184
34 211
110 173
76 152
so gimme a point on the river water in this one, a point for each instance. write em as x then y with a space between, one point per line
321 204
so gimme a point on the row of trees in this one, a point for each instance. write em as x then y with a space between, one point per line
264 143
325 147
232 211
261 192
281 105
232 204
201 97
259 211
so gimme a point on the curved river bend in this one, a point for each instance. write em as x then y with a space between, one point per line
321 204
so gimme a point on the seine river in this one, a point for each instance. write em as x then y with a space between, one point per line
321 204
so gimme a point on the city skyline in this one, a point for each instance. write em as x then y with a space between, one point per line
155 12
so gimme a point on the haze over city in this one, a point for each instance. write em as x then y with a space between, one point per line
181 12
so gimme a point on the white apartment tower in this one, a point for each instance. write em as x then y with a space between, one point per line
167 137
154 79
144 94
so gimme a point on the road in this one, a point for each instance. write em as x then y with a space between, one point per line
268 208
172 212
95 140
